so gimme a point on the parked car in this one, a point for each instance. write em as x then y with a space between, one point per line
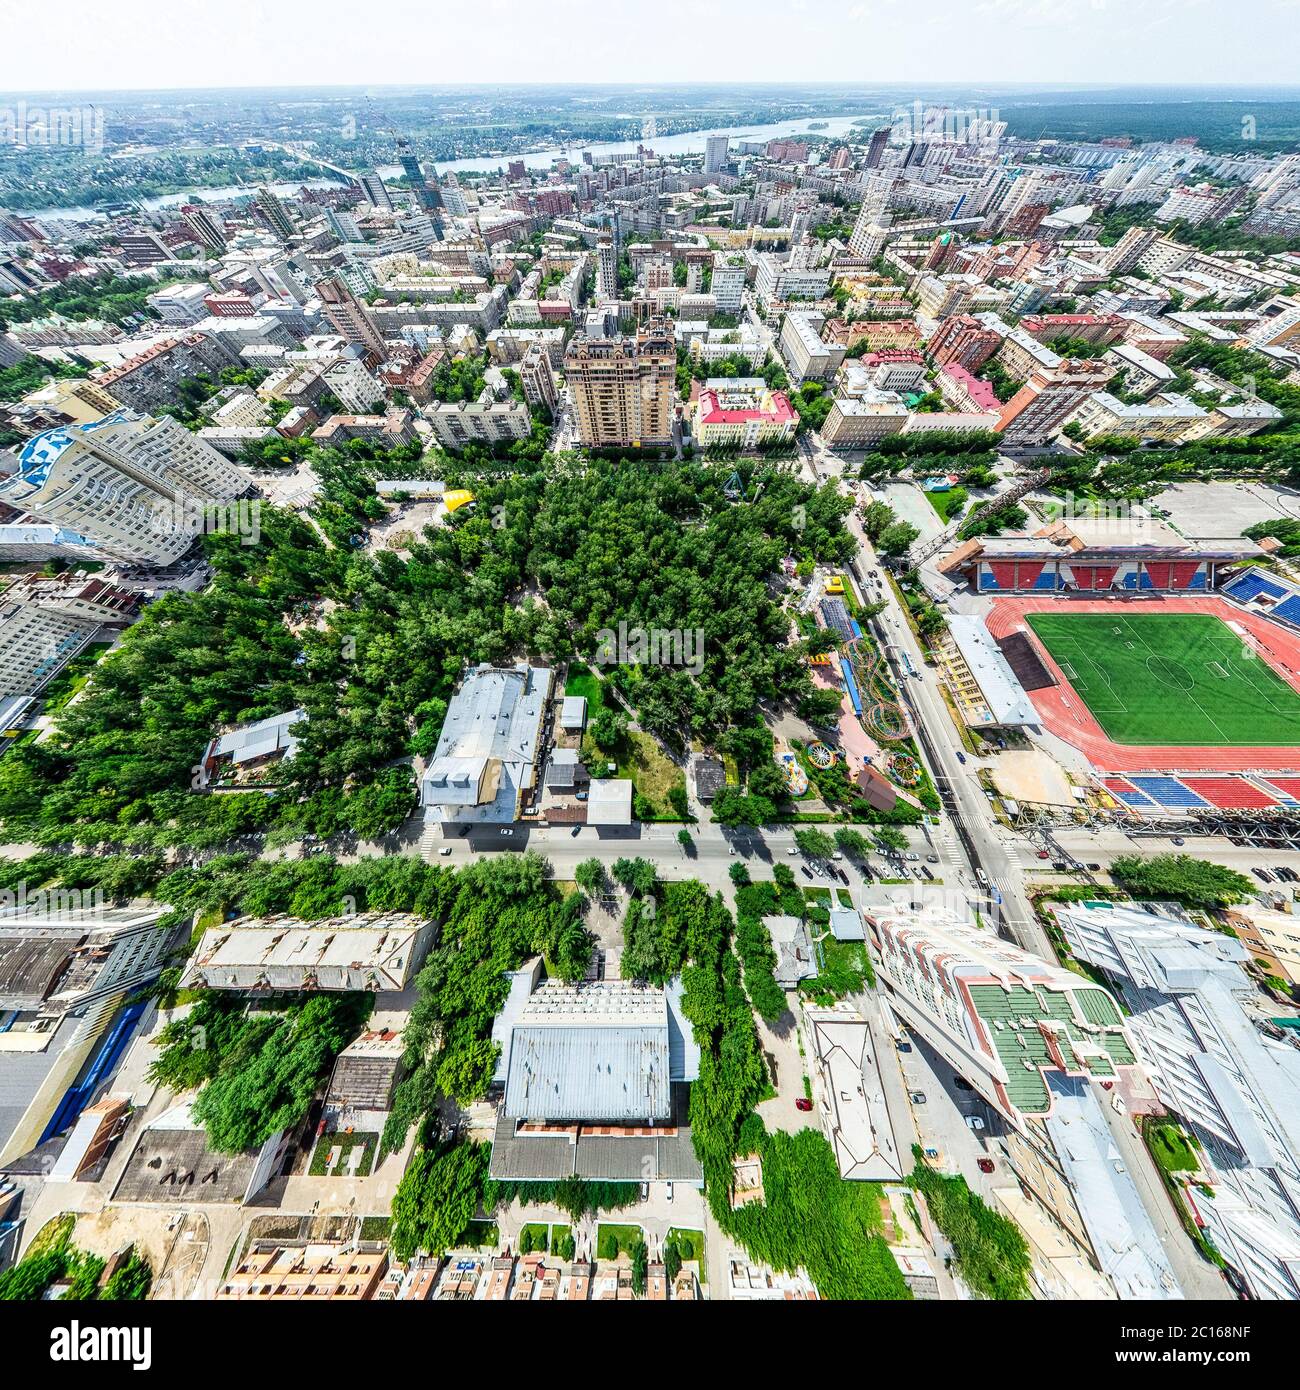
912 858
805 870
1043 854
916 1097
1094 867
985 1165
974 1122
1263 875
792 849
926 872
961 757
962 1084
903 1046
1178 840
506 830
445 851
803 1103
931 858
645 1190
668 1192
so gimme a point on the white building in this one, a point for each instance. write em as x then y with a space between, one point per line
133 486
1235 1088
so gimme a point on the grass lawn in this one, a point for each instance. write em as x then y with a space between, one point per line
623 1236
845 969
582 680
1170 1148
1174 678
653 773
947 505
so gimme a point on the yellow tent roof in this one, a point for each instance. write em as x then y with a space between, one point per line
457 499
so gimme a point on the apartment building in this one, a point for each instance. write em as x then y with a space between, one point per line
1047 400
622 389
965 341
350 317
728 283
132 485
860 422
1034 1040
491 422
806 356
743 412
1167 417
538 380
1194 1020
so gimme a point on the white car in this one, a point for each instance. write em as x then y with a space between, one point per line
974 1122
793 849
507 831
445 850
668 1191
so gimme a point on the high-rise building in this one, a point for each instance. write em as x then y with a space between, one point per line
204 226
622 389
607 274
870 233
1191 1015
876 149
715 154
350 317
728 283
273 211
1047 399
132 485
537 379
1035 1041
1129 249
374 192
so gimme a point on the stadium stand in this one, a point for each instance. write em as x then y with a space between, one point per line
1127 793
1230 793
1168 791
1287 788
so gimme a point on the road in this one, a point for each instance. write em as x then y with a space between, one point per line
980 836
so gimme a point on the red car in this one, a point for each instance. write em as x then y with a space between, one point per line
803 1103
985 1165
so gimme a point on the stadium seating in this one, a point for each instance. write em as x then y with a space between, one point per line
1231 793
1168 791
1287 788
1251 584
1127 793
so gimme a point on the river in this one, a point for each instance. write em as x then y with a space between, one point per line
692 142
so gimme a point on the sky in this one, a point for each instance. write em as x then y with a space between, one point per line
163 44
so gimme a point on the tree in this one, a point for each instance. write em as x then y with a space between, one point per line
672 1260
684 838
1180 878
636 875
739 874
897 538
640 1267
816 844
438 1197
853 842
590 876
890 840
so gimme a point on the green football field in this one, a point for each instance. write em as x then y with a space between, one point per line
1173 678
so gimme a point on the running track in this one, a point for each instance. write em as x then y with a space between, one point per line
1065 715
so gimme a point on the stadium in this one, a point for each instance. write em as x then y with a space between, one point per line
1172 666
